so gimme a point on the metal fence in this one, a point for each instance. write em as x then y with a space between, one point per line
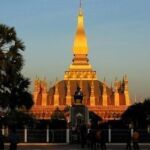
70 136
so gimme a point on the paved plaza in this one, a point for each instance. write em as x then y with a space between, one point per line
71 147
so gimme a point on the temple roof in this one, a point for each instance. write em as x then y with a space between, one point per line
86 89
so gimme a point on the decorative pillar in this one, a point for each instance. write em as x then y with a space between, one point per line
47 134
67 136
37 86
25 134
104 93
92 96
81 86
68 97
116 93
56 95
126 91
44 93
109 134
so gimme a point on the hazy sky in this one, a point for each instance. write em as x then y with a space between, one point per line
118 34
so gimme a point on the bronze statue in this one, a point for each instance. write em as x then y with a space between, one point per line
78 96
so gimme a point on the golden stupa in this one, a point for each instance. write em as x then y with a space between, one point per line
107 102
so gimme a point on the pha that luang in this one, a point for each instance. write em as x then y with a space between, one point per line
109 102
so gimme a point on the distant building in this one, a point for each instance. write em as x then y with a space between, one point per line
107 102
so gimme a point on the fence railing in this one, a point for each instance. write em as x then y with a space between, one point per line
70 136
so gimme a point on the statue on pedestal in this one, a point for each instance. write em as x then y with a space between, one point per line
79 112
78 96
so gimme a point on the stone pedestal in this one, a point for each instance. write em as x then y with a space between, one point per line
79 114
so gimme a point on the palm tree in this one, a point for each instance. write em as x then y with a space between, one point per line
14 94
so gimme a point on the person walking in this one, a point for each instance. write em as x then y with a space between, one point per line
1 141
135 139
83 135
103 140
92 138
13 139
128 140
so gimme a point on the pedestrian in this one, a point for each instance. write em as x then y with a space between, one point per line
1 141
13 139
103 140
83 135
135 139
128 140
91 138
98 138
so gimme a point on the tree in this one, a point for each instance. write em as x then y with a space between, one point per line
138 113
94 119
14 94
58 114
58 119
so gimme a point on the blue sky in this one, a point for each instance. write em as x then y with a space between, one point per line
118 34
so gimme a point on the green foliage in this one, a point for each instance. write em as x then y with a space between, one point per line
58 124
67 109
58 114
94 119
18 119
138 114
58 119
13 85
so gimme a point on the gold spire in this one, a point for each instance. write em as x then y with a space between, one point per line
80 46
80 69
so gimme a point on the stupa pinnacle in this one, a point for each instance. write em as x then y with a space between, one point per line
80 46
80 69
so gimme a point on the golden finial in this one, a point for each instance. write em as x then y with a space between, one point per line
104 80
80 3
125 77
80 7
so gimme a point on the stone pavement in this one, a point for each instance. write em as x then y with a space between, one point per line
39 146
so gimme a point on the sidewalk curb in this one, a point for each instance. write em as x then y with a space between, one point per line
49 144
